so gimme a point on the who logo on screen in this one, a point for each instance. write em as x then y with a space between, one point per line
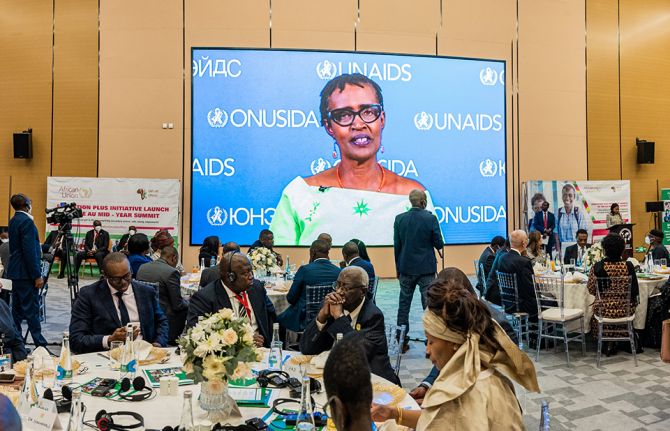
488 168
423 121
217 118
326 70
489 76
216 216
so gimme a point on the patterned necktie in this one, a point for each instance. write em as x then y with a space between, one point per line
243 310
125 317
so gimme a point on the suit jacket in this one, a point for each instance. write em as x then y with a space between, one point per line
123 242
94 316
572 252
24 249
367 266
486 259
320 271
208 275
492 290
538 225
48 242
659 252
372 329
169 290
416 233
214 297
513 263
4 257
12 341
101 242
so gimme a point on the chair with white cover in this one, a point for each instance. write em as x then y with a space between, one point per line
552 314
315 296
611 309
394 334
509 296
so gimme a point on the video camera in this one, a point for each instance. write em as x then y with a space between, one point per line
64 213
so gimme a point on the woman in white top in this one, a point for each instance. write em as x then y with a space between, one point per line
614 217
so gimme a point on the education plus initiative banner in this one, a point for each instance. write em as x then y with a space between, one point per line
263 158
147 204
578 205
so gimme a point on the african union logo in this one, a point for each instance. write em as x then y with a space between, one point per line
326 70
217 117
488 168
626 234
216 216
488 76
423 121
319 165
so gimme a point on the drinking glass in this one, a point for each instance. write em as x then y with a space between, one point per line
49 372
114 363
573 263
664 263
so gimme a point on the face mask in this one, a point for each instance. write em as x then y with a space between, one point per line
647 240
98 228
3 240
131 232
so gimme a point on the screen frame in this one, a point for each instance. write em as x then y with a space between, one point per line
450 57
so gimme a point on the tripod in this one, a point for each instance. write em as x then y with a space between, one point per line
64 243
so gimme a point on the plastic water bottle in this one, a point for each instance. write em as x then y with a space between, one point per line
186 423
275 358
338 338
544 417
212 262
128 366
76 422
202 263
64 369
305 420
287 270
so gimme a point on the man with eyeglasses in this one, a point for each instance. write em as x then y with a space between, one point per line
344 311
355 194
103 309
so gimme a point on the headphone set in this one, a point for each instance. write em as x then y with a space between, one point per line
231 275
142 391
64 403
276 379
104 421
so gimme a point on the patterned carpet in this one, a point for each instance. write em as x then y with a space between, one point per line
618 396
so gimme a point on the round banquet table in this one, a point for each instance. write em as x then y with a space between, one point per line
160 411
276 288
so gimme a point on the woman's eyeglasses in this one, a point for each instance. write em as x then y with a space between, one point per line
345 117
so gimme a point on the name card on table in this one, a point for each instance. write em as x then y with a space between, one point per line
43 417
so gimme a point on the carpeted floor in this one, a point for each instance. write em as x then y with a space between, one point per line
617 396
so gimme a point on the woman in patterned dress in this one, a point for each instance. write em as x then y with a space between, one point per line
613 265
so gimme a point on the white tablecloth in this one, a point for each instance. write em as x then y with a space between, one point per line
166 410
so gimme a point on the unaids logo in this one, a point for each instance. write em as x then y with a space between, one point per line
319 165
217 118
488 168
488 76
216 216
326 70
423 121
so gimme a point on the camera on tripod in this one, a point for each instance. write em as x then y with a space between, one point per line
64 213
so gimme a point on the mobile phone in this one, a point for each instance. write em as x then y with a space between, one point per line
103 387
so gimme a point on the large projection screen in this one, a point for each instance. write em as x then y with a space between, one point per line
263 159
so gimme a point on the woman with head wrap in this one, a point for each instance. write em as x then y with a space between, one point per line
476 360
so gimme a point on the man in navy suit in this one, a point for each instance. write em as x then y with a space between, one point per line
24 268
237 290
416 233
486 260
352 257
103 309
514 262
545 223
319 270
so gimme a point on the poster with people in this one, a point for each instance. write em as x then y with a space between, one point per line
305 142
575 205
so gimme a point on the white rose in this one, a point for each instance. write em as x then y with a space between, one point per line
229 337
200 350
198 334
226 313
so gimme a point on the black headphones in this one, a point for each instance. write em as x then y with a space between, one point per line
276 379
142 391
64 403
231 275
105 422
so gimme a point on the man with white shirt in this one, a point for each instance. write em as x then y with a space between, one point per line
238 290
347 310
578 251
514 262
103 309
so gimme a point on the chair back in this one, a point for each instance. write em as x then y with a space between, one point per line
613 297
476 262
315 296
549 293
482 279
372 288
509 294
395 336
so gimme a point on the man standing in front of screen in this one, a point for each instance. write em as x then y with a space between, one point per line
415 234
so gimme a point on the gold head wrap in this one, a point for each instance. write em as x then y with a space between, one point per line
462 370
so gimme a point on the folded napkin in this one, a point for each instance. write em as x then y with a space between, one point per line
634 261
142 349
319 361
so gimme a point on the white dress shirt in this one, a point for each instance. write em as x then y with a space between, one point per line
236 306
131 305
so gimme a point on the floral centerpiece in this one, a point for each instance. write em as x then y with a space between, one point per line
263 260
594 254
218 349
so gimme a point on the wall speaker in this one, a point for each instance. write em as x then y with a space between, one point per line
23 145
654 207
645 151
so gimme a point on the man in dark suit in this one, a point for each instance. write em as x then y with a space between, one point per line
50 251
545 223
578 251
103 309
267 239
238 290
352 257
96 245
416 233
213 273
319 270
514 263
123 242
12 340
492 290
656 247
346 310
24 268
163 272
486 259
4 249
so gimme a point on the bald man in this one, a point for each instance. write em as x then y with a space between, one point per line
416 236
514 262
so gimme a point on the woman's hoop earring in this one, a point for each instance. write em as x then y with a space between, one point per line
334 149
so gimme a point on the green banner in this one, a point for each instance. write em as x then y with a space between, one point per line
665 224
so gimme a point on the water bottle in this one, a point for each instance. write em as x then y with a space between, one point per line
338 338
202 263
186 423
544 417
287 271
212 262
76 422
128 366
305 420
275 358
64 370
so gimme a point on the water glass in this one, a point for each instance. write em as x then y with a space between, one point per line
664 263
573 263
115 363
49 372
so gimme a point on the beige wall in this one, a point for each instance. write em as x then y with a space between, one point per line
144 78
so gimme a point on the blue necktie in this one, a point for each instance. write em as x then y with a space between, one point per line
125 318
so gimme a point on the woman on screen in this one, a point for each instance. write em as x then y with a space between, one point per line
346 198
